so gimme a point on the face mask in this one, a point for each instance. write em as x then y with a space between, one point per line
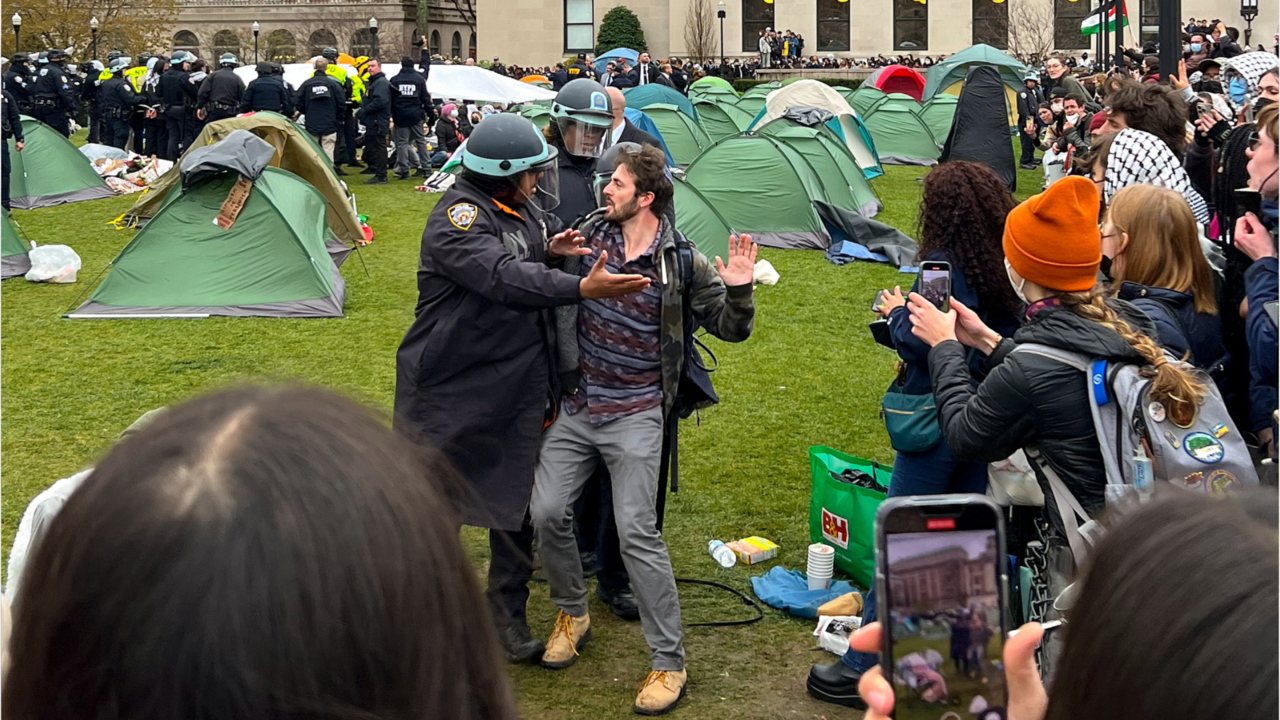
1195 47
1237 88
1260 102
1104 267
1056 107
1072 119
1017 288
453 113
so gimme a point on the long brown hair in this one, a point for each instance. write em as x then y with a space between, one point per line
1164 245
1174 385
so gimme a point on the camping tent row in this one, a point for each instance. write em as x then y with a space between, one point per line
50 170
898 128
949 75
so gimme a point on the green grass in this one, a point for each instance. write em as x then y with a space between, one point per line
810 375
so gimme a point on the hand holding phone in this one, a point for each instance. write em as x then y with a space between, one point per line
935 283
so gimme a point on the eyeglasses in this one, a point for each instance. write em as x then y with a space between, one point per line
1254 139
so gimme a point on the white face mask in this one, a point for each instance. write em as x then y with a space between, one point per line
1072 119
1017 287
1056 107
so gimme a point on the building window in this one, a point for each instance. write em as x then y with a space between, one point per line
186 40
1067 16
279 46
362 43
991 23
579 25
434 47
757 15
910 25
471 47
833 25
1151 21
455 45
319 40
225 41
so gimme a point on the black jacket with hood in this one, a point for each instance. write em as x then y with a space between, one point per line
1029 399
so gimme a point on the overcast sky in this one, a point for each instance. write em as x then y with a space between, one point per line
903 546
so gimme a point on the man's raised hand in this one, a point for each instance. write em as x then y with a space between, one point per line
742 261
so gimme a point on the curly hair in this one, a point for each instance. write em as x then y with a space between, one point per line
962 214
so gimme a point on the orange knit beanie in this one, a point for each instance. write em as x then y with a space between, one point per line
1052 239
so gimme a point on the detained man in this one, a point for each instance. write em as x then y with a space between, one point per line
623 361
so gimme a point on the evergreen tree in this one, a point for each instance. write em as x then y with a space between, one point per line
620 28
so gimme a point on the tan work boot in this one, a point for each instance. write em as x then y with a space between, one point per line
660 692
566 641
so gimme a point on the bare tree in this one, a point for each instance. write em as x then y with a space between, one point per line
467 9
700 31
1031 28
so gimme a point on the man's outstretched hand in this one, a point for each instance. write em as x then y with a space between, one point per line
567 243
600 283
741 267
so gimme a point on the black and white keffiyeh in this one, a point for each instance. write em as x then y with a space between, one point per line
1139 158
1251 66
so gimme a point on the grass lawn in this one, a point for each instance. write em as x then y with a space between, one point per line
810 375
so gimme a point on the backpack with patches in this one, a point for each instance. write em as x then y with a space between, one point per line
1206 455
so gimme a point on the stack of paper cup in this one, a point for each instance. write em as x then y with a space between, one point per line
821 564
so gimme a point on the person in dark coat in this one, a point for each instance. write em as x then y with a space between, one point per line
18 81
178 99
623 129
375 113
155 131
1029 100
118 100
411 106
679 78
447 134
558 77
89 90
12 128
51 96
267 92
220 93
474 372
580 69
320 101
647 71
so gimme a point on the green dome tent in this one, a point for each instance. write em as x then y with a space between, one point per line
955 68
271 261
712 88
844 182
938 112
804 95
846 92
684 137
762 90
654 94
866 97
700 222
720 119
13 251
900 133
751 105
50 170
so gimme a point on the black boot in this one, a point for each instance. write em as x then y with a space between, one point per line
836 683
622 602
519 644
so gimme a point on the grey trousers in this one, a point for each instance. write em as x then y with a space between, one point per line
406 136
630 447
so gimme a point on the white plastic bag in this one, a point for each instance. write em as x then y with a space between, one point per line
53 264
1013 482
765 274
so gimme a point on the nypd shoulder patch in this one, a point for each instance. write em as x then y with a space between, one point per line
462 215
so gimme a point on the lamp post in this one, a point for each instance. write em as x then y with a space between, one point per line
93 30
17 28
720 14
373 33
256 29
1248 11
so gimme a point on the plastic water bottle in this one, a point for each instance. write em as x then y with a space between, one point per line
722 553
1142 474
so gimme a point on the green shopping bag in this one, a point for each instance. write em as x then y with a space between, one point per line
842 514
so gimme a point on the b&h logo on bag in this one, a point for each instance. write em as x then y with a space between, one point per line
835 529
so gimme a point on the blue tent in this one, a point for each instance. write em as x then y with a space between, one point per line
642 121
653 93
627 54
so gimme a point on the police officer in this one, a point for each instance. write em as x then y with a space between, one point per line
52 100
581 121
267 92
118 101
474 371
177 98
137 76
11 128
375 114
89 91
320 100
411 106
17 80
156 138
220 93
345 151
580 69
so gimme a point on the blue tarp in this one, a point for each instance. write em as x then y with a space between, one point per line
653 93
628 54
789 590
642 121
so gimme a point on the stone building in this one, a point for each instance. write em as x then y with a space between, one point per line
945 580
538 32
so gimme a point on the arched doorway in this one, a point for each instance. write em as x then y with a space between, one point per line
224 41
279 46
319 40
186 40
471 47
361 43
434 46
455 45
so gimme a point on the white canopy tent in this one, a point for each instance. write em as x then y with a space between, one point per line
446 82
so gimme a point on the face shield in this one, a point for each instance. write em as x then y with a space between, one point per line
584 139
599 182
540 185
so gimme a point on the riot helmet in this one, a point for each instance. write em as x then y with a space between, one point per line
227 60
605 166
330 54
121 62
510 149
583 114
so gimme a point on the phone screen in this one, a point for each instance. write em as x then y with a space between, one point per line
944 607
935 285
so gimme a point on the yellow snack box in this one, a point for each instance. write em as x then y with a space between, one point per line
754 549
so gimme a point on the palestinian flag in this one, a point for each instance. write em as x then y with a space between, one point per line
1093 24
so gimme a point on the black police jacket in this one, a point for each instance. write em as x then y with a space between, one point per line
320 99
375 109
474 371
577 194
176 90
117 95
18 84
410 101
268 92
580 70
222 90
12 127
51 84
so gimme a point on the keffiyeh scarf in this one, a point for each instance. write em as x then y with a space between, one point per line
1139 158
1251 66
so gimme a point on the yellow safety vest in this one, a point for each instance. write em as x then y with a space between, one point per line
104 76
135 76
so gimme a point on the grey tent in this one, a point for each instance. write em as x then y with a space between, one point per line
978 131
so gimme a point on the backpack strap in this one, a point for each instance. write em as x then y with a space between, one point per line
1082 536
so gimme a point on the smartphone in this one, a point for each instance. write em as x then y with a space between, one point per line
875 304
1248 201
941 574
935 283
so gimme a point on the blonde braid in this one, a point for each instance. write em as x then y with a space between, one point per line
1175 385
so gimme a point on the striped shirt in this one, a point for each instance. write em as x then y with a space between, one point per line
619 338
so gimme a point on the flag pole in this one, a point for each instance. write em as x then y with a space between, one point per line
1170 36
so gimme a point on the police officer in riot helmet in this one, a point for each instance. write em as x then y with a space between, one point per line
90 90
581 120
51 96
220 93
178 99
17 80
475 369
118 101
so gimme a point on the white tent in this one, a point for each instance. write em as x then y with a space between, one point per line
294 73
446 82
815 94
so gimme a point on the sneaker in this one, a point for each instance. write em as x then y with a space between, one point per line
567 640
1029 166
660 692
376 181
836 683
519 644
621 603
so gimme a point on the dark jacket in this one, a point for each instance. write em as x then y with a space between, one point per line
12 118
18 84
679 80
1224 47
375 112
1078 135
118 96
1260 282
320 99
654 75
1028 399
631 133
1179 328
221 91
410 101
474 371
915 353
176 91
558 78
619 81
447 134
579 69
577 194
270 93
51 84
